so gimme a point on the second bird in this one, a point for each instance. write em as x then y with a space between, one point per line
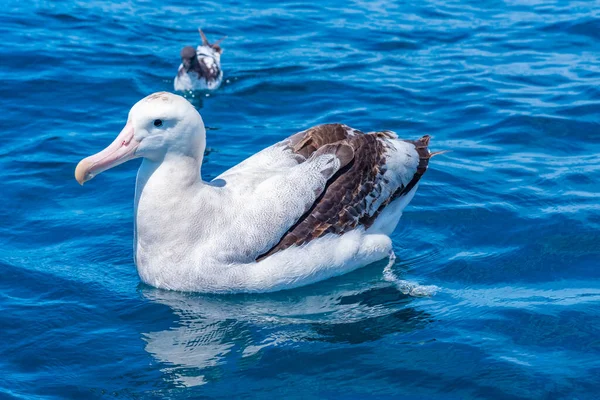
200 68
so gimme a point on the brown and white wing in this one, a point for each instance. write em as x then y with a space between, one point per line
209 67
382 168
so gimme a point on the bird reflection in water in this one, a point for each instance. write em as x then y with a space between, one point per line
212 331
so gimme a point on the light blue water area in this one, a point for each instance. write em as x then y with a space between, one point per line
507 225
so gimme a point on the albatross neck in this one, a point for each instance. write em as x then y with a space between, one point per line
170 175
167 209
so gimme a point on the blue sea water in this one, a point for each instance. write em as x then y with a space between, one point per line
506 226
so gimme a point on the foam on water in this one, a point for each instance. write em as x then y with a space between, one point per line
407 287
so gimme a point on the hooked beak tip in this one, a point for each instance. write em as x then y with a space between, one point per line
82 172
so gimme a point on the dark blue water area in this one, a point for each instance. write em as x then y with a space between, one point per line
506 225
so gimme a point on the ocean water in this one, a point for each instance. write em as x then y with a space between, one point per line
506 226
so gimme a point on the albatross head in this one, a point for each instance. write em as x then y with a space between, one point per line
159 125
189 59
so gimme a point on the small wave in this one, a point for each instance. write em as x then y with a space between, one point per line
409 288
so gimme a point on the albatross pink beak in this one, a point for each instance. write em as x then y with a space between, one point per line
119 151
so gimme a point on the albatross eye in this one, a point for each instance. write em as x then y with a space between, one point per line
158 122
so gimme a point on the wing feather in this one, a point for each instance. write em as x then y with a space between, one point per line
358 192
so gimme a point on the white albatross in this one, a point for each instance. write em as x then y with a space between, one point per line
318 204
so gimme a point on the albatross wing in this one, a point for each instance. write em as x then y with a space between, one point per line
383 168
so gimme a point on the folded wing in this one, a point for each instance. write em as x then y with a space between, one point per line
382 168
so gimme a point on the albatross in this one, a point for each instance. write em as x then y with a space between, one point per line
200 68
317 204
